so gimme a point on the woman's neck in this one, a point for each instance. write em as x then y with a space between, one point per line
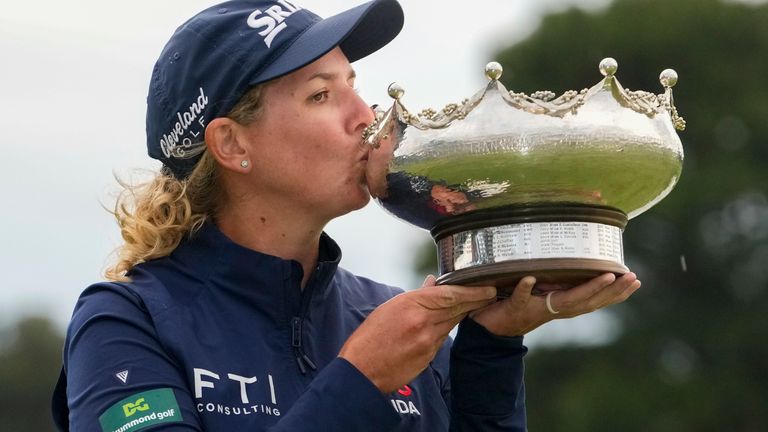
271 230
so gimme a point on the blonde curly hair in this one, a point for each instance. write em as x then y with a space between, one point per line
155 216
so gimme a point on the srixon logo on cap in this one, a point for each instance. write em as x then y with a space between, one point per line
272 21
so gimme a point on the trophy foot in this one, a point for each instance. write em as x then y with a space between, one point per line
554 273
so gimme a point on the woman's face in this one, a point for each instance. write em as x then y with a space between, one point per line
307 148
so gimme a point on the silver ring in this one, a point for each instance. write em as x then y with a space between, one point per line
549 304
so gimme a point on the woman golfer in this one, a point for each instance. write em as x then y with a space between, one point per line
227 310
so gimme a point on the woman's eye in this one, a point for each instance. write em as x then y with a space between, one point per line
319 97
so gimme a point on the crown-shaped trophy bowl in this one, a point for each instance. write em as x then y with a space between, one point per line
511 184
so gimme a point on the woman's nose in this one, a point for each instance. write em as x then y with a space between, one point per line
363 114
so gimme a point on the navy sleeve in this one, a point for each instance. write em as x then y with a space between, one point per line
112 353
340 398
487 389
120 378
440 367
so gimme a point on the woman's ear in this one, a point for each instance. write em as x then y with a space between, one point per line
224 139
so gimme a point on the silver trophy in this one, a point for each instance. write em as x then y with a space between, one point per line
511 184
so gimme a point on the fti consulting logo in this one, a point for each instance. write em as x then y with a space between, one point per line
140 411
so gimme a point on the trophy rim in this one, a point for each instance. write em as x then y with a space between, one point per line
517 214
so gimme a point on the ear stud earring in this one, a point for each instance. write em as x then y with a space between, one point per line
244 163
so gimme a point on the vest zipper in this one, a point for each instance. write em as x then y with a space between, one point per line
302 359
297 323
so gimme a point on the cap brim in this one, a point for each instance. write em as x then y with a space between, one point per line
359 32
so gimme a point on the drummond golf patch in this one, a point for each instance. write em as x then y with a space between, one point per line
140 411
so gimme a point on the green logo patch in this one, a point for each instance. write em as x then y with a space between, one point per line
130 408
141 410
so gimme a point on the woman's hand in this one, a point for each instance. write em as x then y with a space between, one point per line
399 339
523 311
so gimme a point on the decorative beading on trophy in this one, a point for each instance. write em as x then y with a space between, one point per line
544 101
512 184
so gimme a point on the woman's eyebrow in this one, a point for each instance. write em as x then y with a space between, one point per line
329 76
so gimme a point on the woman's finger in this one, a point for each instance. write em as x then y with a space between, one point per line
599 292
520 298
449 296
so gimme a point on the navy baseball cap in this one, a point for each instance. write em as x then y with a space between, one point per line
215 57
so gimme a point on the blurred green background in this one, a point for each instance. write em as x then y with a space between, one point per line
692 348
691 351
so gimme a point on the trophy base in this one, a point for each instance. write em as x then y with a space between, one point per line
562 246
555 273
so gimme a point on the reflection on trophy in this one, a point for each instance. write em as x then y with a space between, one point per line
511 184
